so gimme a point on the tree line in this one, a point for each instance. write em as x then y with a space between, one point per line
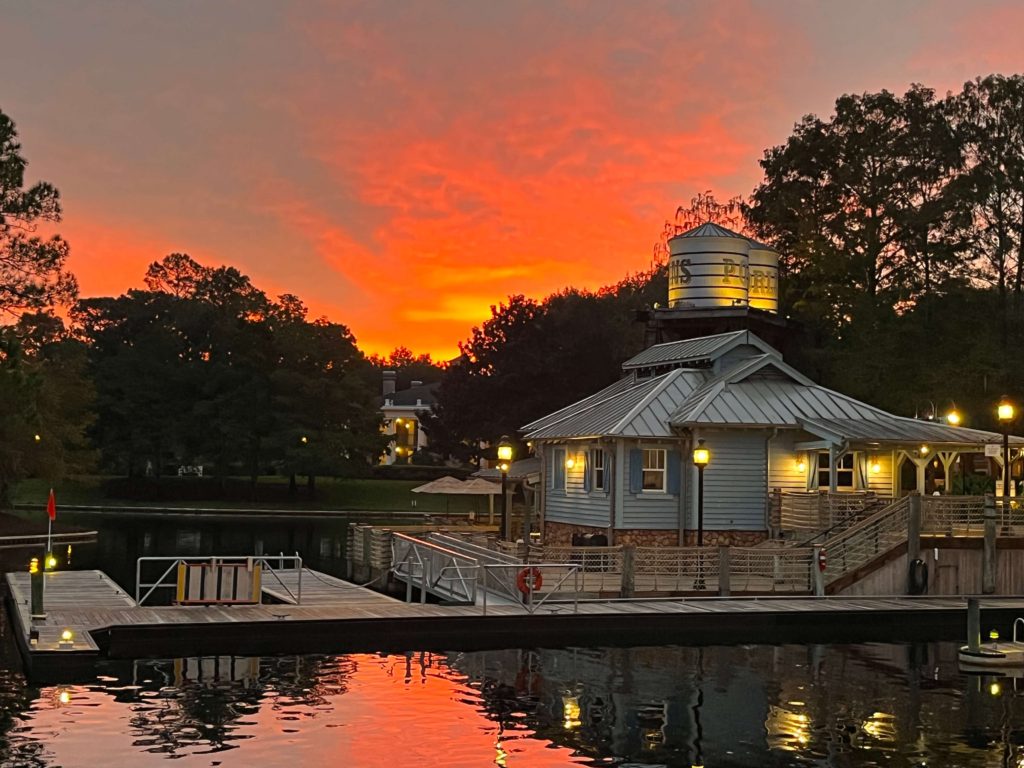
900 220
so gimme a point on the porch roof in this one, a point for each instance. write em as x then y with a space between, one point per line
901 430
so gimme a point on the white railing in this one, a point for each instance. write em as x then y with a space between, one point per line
600 568
870 538
953 515
433 568
765 570
531 586
676 569
168 578
816 511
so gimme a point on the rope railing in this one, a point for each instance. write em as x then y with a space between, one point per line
676 569
764 570
600 568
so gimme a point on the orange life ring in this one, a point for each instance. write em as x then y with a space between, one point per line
529 580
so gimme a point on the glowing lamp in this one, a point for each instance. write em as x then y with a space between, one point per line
875 467
801 466
505 449
570 463
303 439
1006 411
701 455
924 450
995 689
953 418
51 561
67 638
33 565
37 438
571 712
64 697
993 635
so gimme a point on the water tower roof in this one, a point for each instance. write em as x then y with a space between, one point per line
710 229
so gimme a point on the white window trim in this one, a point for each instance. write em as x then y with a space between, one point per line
598 456
854 482
663 470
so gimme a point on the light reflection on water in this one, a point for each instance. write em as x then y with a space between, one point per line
855 705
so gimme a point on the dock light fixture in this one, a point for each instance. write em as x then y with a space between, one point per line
303 439
1006 413
701 458
37 438
67 638
995 689
64 697
505 462
33 565
51 561
993 634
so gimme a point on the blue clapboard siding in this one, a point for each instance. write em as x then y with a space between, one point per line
651 511
573 504
735 491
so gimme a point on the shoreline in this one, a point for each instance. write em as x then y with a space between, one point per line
255 512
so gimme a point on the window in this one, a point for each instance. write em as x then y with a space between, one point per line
598 459
844 471
654 469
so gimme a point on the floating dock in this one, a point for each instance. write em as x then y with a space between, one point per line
337 616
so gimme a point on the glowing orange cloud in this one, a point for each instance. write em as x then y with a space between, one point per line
402 168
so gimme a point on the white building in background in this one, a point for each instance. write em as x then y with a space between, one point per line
402 411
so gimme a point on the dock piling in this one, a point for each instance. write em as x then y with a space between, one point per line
973 624
988 563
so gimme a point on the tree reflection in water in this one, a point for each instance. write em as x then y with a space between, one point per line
858 705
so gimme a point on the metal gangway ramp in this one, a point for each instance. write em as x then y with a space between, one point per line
447 567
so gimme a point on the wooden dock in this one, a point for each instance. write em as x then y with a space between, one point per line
336 616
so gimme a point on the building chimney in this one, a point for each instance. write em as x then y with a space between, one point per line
388 383
416 384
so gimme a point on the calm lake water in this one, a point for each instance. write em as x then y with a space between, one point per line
854 705
821 705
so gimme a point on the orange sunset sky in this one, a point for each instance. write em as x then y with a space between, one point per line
401 166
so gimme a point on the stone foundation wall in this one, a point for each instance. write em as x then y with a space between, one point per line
560 535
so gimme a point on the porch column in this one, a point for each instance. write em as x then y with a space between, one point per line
832 461
947 458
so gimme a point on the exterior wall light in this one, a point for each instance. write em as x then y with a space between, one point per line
953 418
37 438
801 466
924 450
875 467
570 463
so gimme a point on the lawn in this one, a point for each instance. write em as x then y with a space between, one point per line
331 494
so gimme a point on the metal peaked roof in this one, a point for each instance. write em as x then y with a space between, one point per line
761 391
900 429
626 382
693 350
710 229
640 411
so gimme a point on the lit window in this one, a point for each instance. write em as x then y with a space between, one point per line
598 459
654 469
844 471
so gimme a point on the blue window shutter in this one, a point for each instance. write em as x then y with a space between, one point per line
672 468
636 470
588 469
558 470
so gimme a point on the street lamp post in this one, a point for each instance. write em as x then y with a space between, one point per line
701 457
1006 413
504 461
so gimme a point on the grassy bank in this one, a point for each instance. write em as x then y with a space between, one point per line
331 493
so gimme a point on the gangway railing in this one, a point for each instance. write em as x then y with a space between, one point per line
260 568
428 566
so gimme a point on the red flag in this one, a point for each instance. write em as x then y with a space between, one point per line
51 506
